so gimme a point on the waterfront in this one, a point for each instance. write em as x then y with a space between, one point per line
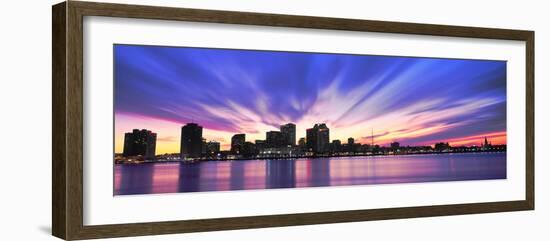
172 177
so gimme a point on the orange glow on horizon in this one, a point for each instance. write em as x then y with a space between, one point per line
495 138
168 134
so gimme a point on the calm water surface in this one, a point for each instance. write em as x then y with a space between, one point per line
305 172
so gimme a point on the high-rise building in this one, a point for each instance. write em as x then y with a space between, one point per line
203 146
212 148
289 134
336 146
318 138
311 139
302 144
274 139
140 143
191 140
350 145
260 144
323 138
249 149
237 142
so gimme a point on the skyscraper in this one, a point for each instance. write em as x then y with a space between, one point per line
323 138
249 149
349 146
212 147
274 139
289 134
140 143
311 139
336 146
191 140
318 138
302 144
260 144
203 146
237 142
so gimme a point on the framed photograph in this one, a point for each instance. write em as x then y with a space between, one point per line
171 120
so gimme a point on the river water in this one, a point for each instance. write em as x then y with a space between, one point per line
171 177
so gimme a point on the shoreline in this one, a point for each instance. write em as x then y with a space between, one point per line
304 157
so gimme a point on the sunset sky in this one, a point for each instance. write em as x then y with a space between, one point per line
415 101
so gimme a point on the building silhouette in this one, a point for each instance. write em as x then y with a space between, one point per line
237 143
394 145
336 146
311 139
203 146
323 138
140 143
486 145
302 144
274 139
249 149
442 147
289 134
191 140
260 144
350 146
318 138
212 148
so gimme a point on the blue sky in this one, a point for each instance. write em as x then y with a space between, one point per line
411 100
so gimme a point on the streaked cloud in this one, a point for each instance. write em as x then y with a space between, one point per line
410 100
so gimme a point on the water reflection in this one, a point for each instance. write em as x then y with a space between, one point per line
134 180
163 177
320 172
187 178
261 174
280 173
237 176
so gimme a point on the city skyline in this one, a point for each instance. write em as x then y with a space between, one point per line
416 101
317 140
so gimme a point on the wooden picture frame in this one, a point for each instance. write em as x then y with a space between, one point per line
67 138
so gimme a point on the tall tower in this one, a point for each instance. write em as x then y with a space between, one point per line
318 138
311 139
237 142
372 147
289 134
274 139
140 143
323 138
191 140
